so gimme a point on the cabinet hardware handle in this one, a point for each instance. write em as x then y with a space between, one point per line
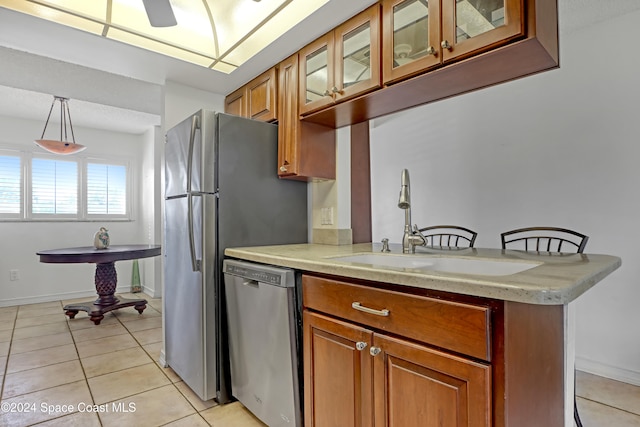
283 168
358 306
374 351
327 93
431 51
361 345
445 44
336 90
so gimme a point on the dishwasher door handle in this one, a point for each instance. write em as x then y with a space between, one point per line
250 282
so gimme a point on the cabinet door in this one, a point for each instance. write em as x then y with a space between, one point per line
235 103
411 37
316 74
472 26
288 122
357 54
415 385
261 97
337 373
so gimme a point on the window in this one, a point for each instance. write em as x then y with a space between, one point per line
10 185
54 187
106 189
36 186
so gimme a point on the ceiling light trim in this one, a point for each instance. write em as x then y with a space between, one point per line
107 24
252 32
214 32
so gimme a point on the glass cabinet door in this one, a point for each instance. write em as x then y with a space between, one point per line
358 54
316 74
411 37
472 25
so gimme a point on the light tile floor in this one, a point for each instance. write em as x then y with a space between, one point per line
108 375
69 372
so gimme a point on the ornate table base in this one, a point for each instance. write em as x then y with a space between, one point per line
106 281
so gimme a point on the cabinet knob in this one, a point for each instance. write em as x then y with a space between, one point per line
336 90
374 351
445 44
283 168
361 345
327 93
432 51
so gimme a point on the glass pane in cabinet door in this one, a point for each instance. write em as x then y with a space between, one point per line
356 59
316 83
475 17
410 31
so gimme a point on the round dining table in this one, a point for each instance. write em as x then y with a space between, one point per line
106 278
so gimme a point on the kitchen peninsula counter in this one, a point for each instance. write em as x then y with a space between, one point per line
556 279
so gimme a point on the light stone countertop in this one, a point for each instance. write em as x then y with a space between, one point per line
558 279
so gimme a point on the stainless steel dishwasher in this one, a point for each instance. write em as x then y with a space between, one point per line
264 338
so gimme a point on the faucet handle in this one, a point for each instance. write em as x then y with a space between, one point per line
417 231
385 245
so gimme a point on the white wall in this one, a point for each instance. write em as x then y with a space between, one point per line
182 101
559 148
21 240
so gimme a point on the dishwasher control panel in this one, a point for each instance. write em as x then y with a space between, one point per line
260 273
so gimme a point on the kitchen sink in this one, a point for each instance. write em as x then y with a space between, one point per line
437 263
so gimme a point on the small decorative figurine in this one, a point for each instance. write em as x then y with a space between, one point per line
101 239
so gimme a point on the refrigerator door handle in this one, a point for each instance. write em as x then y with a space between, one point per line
195 124
195 263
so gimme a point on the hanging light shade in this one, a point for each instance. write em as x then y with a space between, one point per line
61 146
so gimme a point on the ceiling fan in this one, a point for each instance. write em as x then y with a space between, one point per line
160 13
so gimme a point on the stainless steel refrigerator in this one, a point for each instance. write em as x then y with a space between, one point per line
221 190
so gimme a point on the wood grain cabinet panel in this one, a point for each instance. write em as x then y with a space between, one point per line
341 64
359 375
256 100
262 97
236 103
305 150
420 35
415 385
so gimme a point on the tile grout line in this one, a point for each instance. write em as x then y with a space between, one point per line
6 362
610 406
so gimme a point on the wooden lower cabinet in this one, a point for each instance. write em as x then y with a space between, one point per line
357 377
382 355
337 373
415 385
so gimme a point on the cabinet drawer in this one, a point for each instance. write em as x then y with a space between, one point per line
463 328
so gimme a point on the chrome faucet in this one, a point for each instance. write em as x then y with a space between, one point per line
411 238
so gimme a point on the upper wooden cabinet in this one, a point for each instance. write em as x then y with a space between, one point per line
257 99
305 150
342 64
421 34
236 103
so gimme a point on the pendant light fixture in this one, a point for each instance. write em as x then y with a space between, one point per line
62 146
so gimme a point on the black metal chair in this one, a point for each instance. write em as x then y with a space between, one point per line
449 236
547 239
544 239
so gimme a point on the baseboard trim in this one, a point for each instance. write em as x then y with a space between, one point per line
47 298
608 371
162 361
64 296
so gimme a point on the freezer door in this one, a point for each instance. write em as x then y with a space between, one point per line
189 307
190 156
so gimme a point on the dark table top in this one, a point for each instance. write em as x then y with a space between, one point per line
91 254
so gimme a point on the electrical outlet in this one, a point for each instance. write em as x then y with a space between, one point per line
14 275
326 216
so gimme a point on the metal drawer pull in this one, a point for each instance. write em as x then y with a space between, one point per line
360 307
374 351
